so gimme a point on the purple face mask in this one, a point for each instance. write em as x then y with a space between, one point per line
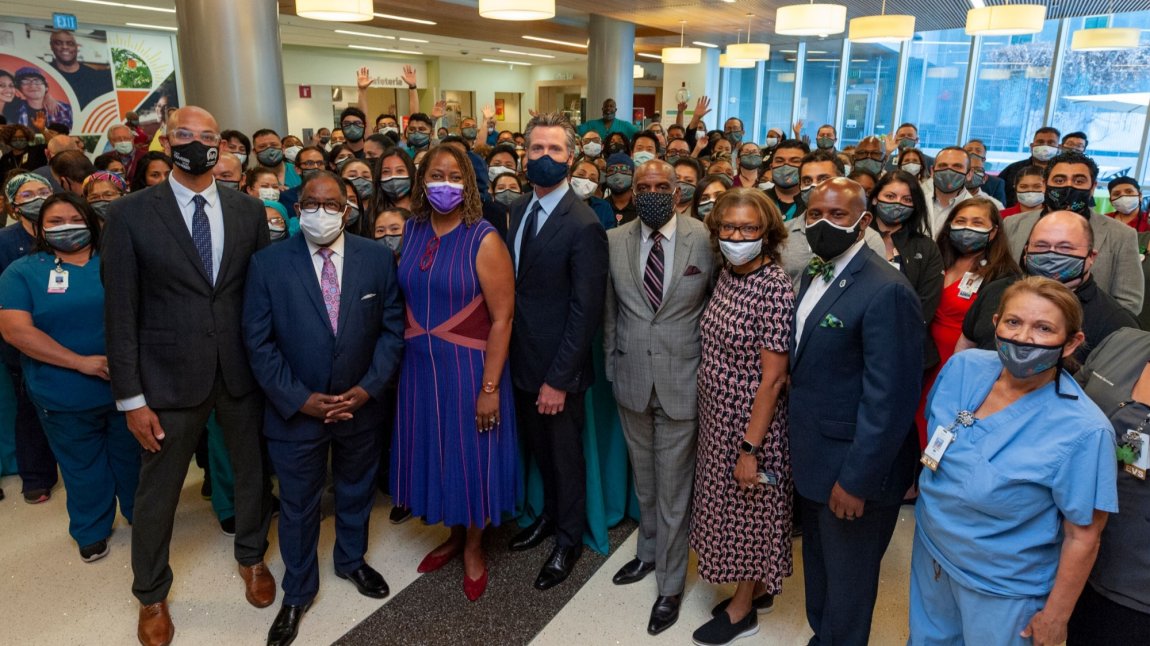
445 197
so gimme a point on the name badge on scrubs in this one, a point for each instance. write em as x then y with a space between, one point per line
57 281
969 285
1134 453
939 443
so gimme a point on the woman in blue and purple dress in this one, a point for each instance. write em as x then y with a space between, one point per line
454 452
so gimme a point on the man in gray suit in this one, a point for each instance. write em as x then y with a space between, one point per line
660 275
1071 178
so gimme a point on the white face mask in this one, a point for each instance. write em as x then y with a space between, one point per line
912 168
740 252
269 194
1126 204
1031 199
290 153
493 172
583 187
1044 153
642 157
243 157
592 148
318 227
123 147
772 142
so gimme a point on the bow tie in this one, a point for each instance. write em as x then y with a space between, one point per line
819 267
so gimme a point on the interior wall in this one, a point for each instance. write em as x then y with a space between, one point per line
512 115
314 113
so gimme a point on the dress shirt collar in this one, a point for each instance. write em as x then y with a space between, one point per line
184 194
336 247
549 201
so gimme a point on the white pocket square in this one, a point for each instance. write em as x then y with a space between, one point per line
367 296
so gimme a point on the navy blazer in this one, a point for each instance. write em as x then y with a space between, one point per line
559 292
293 350
856 377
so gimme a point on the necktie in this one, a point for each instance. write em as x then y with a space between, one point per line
529 228
202 235
653 276
329 285
819 267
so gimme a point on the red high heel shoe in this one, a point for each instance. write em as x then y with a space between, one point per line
475 589
431 562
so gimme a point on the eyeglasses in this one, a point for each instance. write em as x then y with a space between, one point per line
870 154
1062 247
277 221
309 165
106 196
350 122
1077 149
748 230
33 81
330 208
27 196
181 136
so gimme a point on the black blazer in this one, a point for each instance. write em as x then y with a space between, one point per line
923 267
856 377
168 329
559 292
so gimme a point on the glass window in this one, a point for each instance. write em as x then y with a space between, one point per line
1105 94
821 75
1012 81
740 98
779 95
869 102
935 78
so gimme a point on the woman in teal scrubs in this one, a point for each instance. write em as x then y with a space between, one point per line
52 310
1020 478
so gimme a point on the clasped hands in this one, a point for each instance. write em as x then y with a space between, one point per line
335 408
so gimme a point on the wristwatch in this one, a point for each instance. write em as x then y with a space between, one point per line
746 447
411 87
490 387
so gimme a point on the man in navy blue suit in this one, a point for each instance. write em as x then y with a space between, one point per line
323 326
856 371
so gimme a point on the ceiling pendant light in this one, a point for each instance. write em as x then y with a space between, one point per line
517 9
811 19
749 51
881 28
1006 20
1102 39
335 10
730 61
682 55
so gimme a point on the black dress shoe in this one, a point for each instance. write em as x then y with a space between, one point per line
635 570
664 613
369 582
558 566
286 626
532 536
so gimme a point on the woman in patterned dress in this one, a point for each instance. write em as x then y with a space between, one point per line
454 451
741 521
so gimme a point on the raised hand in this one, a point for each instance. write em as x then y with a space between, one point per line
488 113
439 110
409 75
363 78
798 128
702 107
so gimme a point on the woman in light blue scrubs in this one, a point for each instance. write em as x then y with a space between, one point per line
52 310
1008 520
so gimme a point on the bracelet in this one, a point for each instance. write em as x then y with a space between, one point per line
490 388
411 87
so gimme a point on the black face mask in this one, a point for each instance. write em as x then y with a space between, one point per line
195 157
829 241
1068 198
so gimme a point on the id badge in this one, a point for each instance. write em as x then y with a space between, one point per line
1139 444
57 282
938 445
969 285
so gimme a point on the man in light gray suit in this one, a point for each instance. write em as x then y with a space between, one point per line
661 269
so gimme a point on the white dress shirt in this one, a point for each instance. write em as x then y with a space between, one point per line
938 212
336 259
185 199
215 212
645 245
819 287
548 202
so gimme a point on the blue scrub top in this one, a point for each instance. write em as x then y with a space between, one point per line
74 319
992 514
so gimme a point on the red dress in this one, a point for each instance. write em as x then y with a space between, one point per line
945 330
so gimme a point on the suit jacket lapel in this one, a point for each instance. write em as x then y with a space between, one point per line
839 287
683 250
228 210
634 253
172 216
517 213
349 285
305 270
804 285
550 228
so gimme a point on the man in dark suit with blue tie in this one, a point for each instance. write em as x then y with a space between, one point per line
560 254
174 261
856 372
323 325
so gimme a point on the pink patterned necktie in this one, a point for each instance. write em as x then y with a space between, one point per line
329 285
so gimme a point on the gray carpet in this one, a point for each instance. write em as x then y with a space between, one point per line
433 611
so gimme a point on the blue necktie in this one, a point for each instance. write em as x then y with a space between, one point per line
529 229
202 235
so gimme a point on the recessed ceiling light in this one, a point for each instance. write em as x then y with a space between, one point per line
556 42
383 49
977 4
496 60
143 26
387 16
414 40
517 53
363 33
127 5
702 44
789 51
646 55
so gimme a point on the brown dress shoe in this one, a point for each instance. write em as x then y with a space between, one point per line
155 627
259 584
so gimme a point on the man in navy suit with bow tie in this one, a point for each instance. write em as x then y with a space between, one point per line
323 326
856 372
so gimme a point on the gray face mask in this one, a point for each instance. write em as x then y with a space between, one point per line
507 196
1024 360
30 209
1057 266
686 192
619 183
